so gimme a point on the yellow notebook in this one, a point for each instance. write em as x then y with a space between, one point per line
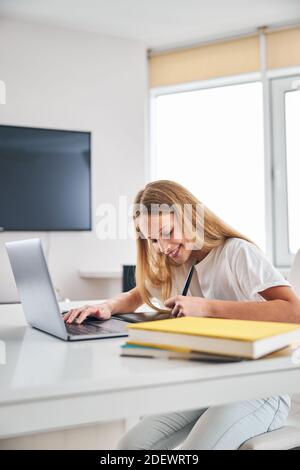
243 330
246 338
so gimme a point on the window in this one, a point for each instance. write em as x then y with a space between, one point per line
286 145
211 141
292 109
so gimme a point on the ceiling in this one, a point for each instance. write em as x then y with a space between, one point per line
158 23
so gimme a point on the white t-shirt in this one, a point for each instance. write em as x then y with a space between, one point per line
236 270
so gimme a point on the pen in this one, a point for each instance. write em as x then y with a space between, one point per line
188 281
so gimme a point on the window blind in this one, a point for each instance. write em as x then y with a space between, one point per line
231 57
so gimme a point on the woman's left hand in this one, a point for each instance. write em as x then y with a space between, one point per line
182 306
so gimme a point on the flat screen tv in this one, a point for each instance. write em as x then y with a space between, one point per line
45 179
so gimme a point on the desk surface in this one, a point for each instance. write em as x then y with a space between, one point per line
47 383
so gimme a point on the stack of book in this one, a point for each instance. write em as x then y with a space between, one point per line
197 338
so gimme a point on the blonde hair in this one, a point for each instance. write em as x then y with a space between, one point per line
156 268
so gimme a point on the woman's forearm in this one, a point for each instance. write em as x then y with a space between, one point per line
126 302
273 310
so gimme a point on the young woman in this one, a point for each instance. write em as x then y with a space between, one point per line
232 279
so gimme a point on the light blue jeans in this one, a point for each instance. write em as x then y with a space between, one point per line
219 427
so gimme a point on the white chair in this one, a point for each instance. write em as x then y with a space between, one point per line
287 437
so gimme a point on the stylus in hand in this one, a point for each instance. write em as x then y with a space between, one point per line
188 281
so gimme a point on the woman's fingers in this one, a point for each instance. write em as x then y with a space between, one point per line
89 311
176 310
180 314
102 312
66 315
70 317
82 316
170 302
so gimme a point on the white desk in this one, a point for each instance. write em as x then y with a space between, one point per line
48 384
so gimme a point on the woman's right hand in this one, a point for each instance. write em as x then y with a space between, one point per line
101 311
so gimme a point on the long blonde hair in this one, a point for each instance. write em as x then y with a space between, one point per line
156 268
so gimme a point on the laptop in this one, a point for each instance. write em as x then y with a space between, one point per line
40 304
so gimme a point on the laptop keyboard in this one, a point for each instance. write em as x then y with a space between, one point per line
96 328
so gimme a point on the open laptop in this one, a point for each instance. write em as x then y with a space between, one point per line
40 304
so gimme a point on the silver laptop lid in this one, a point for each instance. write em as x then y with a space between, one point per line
35 287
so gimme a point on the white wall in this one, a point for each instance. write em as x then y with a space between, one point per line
63 79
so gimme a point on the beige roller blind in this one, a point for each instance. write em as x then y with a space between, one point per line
205 62
283 48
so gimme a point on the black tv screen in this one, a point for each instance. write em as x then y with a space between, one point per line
45 179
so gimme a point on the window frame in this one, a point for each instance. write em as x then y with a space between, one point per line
275 189
279 87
